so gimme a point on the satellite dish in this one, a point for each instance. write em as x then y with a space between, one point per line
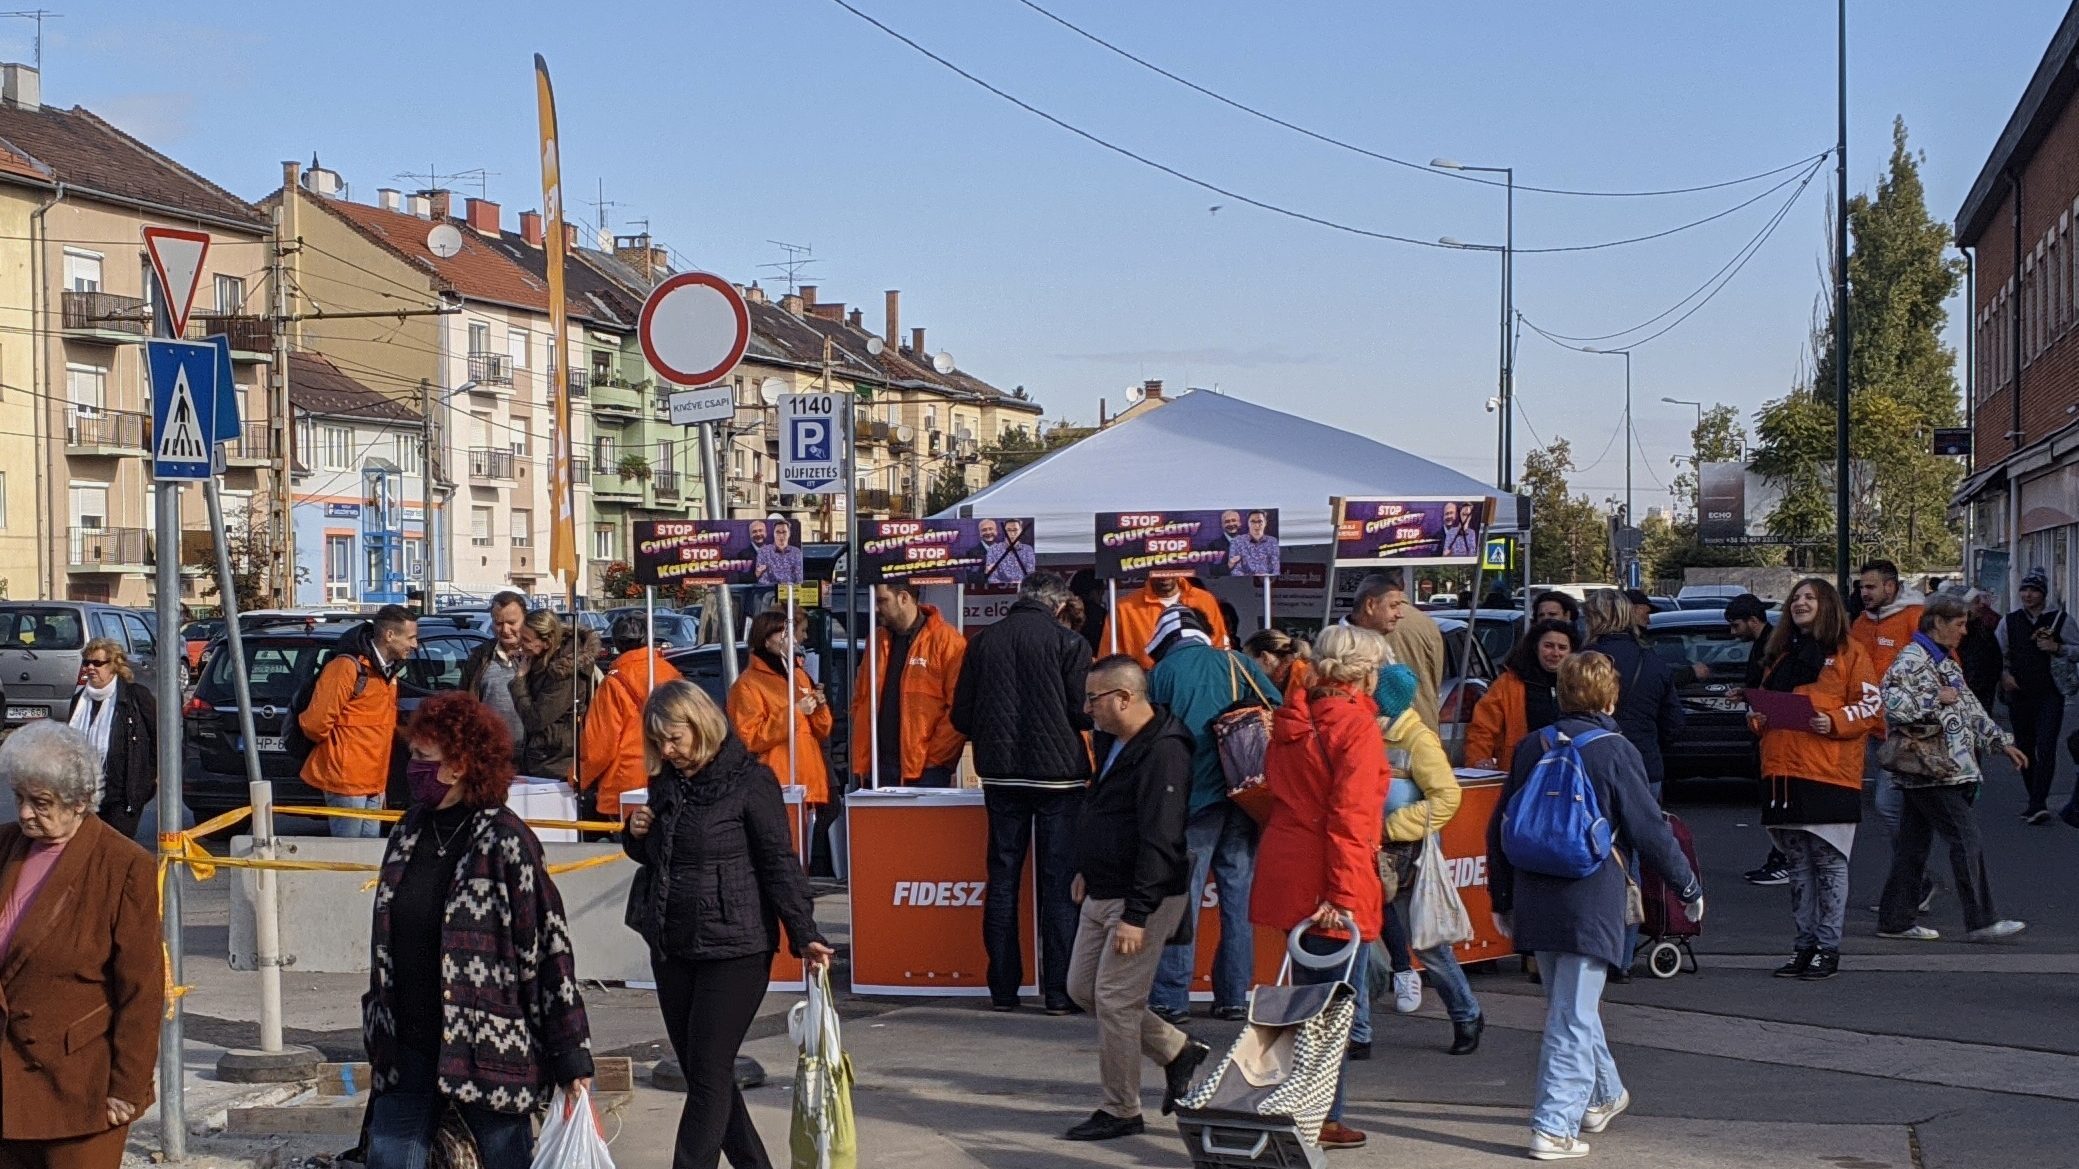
445 240
769 390
905 433
1135 393
943 362
875 346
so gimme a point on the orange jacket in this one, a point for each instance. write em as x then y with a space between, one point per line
1883 638
758 705
1136 614
928 737
612 751
1846 692
1499 722
350 734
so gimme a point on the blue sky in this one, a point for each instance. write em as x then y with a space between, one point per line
1041 260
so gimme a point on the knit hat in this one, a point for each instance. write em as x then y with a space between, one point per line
1396 690
2036 579
1180 623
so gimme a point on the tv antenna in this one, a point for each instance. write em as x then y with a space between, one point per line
436 181
798 259
601 204
39 15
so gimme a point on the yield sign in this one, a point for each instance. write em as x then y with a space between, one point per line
177 258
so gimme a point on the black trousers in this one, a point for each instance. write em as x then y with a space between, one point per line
1928 812
708 1007
2039 718
1022 818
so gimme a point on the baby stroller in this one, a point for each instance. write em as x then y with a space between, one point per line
1664 935
1264 1102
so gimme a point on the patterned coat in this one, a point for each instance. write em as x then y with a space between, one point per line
513 1021
1912 694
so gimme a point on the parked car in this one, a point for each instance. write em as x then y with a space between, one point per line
1716 596
279 658
197 636
674 630
1715 740
40 644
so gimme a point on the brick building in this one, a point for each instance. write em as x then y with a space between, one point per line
2018 223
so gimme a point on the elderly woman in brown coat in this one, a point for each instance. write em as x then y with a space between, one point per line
80 969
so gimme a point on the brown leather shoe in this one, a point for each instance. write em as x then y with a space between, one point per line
1337 1135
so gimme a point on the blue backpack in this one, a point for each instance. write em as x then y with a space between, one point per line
1554 824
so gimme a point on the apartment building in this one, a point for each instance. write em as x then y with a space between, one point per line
358 488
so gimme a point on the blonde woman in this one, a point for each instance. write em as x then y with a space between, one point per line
551 684
717 877
117 714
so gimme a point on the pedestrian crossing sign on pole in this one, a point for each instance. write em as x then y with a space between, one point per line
184 407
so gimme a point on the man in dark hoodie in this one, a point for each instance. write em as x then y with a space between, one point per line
1019 700
1131 878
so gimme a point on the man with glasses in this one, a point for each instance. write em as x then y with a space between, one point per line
491 667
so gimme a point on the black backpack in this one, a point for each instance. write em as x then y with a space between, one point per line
297 744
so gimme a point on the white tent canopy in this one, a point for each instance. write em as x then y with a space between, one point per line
1205 450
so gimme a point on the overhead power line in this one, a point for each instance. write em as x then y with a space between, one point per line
1411 164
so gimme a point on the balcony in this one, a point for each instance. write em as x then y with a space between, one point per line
108 550
666 484
254 447
108 433
872 432
491 369
580 383
895 503
580 470
252 338
490 463
607 482
104 316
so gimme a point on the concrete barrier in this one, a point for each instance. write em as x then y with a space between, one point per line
325 917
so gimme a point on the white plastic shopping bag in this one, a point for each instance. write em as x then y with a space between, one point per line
822 1135
1437 916
570 1137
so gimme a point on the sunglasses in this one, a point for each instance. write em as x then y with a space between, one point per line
96 663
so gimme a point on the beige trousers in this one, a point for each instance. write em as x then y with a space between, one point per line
1114 987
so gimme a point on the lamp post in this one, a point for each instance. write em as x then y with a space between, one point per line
1503 456
1699 412
1507 479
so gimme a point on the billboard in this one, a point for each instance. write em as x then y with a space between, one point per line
1733 505
1434 530
711 552
978 553
1237 541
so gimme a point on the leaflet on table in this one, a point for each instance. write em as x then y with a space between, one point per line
978 553
1392 531
760 552
1237 541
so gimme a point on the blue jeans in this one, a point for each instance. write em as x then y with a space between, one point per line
401 1123
343 826
1575 1070
1222 840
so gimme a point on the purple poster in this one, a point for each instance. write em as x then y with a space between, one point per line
1235 541
1393 531
979 553
763 552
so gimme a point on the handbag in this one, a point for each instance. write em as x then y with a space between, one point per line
1918 749
1436 915
1634 897
1242 736
2063 670
1397 860
822 1134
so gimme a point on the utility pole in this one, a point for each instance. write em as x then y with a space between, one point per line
282 580
427 570
1842 345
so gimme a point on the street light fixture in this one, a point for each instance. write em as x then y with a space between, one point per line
1686 402
1506 478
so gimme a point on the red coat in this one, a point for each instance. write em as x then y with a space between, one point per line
1328 774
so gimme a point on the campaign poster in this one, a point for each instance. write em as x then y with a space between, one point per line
978 553
712 552
1395 531
1235 541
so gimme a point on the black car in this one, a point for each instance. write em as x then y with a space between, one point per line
1715 741
674 630
279 658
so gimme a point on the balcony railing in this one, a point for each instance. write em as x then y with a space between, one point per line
580 382
255 444
109 546
489 463
105 312
666 483
248 334
580 469
491 369
871 431
606 480
115 430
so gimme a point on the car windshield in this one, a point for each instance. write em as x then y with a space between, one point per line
41 628
1715 647
273 669
202 630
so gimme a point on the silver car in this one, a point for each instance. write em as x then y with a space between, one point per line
40 644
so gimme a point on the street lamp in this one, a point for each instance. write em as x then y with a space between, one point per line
1500 403
1506 481
1686 402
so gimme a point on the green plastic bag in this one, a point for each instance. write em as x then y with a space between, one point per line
822 1135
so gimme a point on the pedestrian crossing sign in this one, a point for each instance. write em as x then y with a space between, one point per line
184 403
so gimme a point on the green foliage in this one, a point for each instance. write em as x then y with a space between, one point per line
1569 536
948 487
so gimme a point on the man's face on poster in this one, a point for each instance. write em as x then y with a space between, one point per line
988 530
1450 515
757 532
1012 529
1258 522
1231 523
781 534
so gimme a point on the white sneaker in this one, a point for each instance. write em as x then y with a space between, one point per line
1998 931
1407 992
1916 933
1546 1147
1598 1119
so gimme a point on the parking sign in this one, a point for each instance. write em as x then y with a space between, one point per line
812 454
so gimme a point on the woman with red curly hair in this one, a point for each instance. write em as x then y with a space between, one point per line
473 1000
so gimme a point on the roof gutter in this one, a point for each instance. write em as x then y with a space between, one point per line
171 212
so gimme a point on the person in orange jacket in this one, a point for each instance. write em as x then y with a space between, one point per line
759 702
1813 772
1523 699
1890 617
1133 621
351 720
919 656
611 754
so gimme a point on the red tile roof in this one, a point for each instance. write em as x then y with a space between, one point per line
480 271
319 387
77 148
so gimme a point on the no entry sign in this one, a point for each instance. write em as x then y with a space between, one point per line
694 328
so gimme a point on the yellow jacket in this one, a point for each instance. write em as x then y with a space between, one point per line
1431 770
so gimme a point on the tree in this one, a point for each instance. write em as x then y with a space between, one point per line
1901 386
948 487
1671 544
1569 536
248 540
1019 447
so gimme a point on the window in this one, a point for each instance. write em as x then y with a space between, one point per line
339 560
603 453
339 448
516 344
605 545
479 338
82 271
931 418
408 454
739 459
89 507
230 295
306 441
522 432
141 641
86 386
522 527
480 526
3 499
667 456
414 557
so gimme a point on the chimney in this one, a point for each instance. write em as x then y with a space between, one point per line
894 337
570 237
808 296
917 345
440 205
791 305
660 260
483 216
292 173
754 293
21 86
636 252
829 310
1152 389
530 228
389 199
855 319
419 204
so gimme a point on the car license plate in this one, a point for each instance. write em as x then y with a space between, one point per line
1729 705
270 743
20 714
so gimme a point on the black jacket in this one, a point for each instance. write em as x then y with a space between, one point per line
1020 698
549 710
1130 833
718 871
1649 710
130 773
